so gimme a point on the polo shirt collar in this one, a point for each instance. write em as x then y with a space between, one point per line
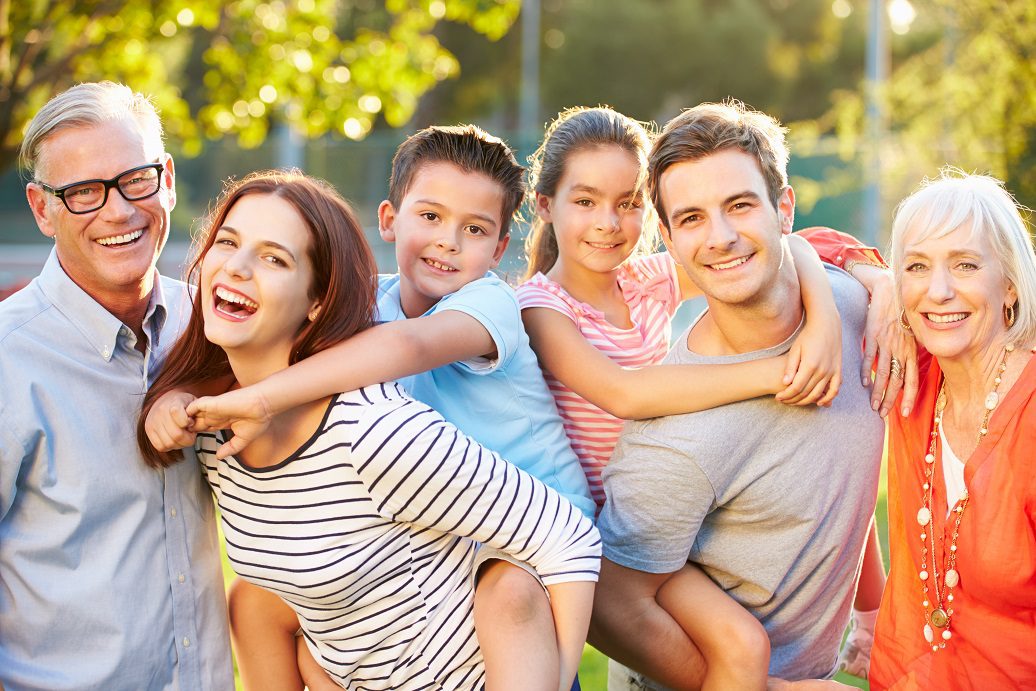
100 327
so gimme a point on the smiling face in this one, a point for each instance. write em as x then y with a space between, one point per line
111 252
954 292
724 230
447 233
256 280
597 211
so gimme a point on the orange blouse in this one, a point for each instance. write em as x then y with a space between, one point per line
993 644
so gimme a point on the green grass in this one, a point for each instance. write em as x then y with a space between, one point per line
593 670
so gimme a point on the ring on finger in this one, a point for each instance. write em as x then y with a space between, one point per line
896 368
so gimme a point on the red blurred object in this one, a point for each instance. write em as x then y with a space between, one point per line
12 288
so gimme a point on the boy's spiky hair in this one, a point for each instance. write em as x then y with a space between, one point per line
470 148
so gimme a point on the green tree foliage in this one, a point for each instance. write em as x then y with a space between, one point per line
234 67
652 58
966 98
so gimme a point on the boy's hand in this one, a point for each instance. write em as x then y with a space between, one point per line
168 426
242 411
886 340
814 366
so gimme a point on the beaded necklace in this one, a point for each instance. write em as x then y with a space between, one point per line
939 616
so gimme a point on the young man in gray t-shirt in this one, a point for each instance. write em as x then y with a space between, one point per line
772 501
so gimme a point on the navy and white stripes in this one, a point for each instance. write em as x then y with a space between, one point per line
369 530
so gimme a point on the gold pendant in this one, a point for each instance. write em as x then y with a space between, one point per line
939 618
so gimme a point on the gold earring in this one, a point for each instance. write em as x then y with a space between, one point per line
1009 315
903 323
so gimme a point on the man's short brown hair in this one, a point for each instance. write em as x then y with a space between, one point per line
712 127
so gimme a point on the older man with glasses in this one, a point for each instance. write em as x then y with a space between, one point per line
109 570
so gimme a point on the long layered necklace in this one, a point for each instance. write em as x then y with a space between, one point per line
938 614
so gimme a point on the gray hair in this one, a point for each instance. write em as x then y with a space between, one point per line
957 199
91 103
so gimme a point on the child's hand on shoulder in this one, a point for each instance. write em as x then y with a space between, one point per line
168 426
813 373
243 411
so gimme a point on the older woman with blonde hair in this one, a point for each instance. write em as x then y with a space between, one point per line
960 606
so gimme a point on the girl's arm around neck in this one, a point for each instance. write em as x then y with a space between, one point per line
651 391
811 373
814 367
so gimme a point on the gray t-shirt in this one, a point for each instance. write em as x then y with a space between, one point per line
772 501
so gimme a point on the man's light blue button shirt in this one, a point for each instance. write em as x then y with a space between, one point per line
109 570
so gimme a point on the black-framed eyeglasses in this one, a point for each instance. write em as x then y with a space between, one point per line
90 195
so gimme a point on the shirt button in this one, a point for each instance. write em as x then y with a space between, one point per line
186 642
838 258
106 352
172 512
180 578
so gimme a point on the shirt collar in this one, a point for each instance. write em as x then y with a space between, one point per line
99 326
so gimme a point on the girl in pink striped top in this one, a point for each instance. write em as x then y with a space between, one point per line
597 306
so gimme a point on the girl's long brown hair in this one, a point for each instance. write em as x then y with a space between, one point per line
344 281
574 130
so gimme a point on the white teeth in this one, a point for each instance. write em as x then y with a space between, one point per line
602 245
120 239
228 296
438 265
947 318
731 264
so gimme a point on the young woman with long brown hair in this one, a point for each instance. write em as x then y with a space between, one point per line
361 510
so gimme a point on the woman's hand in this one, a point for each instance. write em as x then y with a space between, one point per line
245 412
168 425
814 364
887 341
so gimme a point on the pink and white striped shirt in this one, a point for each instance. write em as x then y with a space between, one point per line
651 290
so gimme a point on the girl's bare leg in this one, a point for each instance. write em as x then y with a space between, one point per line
732 641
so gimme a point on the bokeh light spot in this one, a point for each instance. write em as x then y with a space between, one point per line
352 128
369 103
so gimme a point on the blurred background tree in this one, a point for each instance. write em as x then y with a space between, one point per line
233 67
340 82
965 95
650 59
